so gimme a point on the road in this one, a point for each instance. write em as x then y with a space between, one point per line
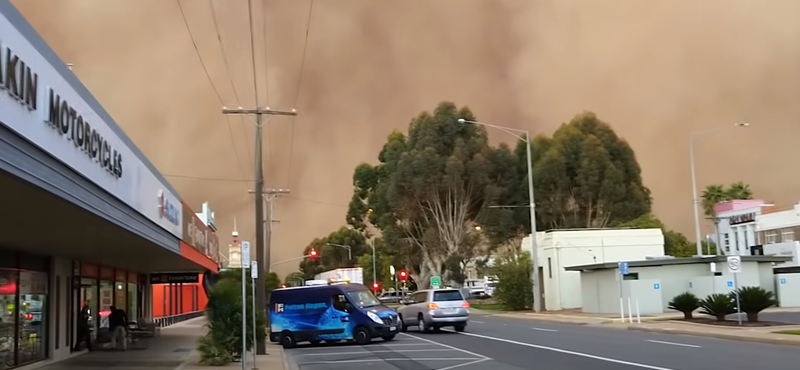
492 343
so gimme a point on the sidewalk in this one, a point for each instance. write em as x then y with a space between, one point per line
760 335
174 349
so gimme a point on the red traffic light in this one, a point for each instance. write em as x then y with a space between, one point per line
312 253
375 286
403 275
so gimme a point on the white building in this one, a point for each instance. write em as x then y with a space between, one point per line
778 234
562 248
653 283
736 225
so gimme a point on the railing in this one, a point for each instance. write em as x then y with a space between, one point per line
165 321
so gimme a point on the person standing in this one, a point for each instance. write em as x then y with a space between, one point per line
118 327
84 334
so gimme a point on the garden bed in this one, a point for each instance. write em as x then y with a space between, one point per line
745 323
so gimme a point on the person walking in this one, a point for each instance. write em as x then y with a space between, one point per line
118 327
84 334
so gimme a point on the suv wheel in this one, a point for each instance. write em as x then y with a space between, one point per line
422 325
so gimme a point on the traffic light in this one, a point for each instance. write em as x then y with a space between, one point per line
312 254
375 286
283 285
403 275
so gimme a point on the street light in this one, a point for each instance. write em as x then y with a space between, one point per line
349 250
537 301
694 181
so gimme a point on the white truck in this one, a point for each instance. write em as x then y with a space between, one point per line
351 275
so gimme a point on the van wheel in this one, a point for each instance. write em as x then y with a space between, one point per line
361 335
287 340
314 342
422 325
461 327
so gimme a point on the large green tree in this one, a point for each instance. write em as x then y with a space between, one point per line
716 193
587 176
332 253
427 190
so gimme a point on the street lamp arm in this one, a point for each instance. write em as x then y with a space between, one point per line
695 134
289 260
511 131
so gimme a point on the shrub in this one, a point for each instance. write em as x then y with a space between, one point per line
224 315
686 303
212 353
514 289
753 300
718 305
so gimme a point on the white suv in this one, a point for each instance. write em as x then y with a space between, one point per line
435 308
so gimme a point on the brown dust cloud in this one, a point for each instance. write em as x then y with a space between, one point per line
656 70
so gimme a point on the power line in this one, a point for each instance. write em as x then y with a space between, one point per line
228 73
211 81
297 90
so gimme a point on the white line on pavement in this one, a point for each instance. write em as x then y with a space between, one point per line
568 352
464 364
477 322
543 329
394 359
673 343
447 346
368 352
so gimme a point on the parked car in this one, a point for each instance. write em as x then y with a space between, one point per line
390 297
433 309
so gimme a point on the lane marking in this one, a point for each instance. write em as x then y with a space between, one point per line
673 343
543 329
568 352
397 359
464 364
367 352
477 322
447 346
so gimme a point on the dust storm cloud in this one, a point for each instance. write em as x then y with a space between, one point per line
655 70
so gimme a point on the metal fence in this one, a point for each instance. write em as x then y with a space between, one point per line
165 321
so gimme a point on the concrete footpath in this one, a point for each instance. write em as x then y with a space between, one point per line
173 349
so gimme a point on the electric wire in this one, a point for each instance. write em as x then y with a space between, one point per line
230 78
297 90
211 81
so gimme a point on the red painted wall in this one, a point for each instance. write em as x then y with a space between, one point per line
174 299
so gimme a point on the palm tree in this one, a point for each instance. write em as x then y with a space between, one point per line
739 190
712 195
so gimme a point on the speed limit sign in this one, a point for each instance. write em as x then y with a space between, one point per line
734 264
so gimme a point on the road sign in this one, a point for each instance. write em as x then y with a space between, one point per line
656 286
436 282
734 264
245 254
783 281
730 284
623 268
254 269
713 267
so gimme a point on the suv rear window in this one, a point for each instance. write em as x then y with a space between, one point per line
447 295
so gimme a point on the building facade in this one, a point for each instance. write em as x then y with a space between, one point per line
779 234
89 218
736 225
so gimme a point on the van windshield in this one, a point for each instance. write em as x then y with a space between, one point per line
363 298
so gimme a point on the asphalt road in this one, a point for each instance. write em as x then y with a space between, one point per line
492 343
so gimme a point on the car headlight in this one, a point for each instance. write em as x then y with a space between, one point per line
374 317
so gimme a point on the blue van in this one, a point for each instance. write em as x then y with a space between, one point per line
329 313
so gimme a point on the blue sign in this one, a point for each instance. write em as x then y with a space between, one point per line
167 209
730 284
623 268
656 286
783 281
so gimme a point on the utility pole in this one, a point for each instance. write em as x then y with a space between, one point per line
262 255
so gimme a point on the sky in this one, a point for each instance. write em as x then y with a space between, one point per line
656 71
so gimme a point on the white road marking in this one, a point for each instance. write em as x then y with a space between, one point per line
568 352
447 346
368 352
673 343
464 364
396 359
477 322
543 329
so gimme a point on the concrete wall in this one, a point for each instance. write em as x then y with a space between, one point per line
788 289
560 249
600 291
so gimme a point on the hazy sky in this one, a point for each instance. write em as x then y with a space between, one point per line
655 70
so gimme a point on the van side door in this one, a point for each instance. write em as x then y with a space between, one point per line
338 324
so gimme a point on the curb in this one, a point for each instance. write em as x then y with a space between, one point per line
740 338
285 359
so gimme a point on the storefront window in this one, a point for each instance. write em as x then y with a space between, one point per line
106 301
32 308
90 299
8 322
133 305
